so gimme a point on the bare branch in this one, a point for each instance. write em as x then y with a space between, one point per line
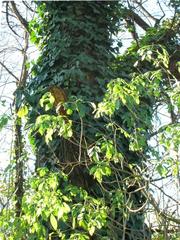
23 21
9 71
167 195
7 19
145 11
24 71
162 213
28 7
138 20
158 20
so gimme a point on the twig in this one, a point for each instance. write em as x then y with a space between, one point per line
80 142
9 71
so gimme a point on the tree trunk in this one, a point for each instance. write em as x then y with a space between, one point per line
77 56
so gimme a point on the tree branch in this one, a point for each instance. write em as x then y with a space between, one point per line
7 19
162 129
137 19
12 74
145 11
162 213
26 4
24 71
23 21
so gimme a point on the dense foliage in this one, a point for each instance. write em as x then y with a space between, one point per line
90 111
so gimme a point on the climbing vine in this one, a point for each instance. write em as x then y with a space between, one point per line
89 111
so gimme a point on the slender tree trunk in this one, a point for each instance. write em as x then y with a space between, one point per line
18 151
18 137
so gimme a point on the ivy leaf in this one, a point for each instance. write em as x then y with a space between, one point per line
53 182
69 133
53 221
81 109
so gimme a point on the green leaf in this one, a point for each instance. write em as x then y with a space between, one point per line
69 111
92 230
3 121
69 133
66 207
23 111
53 222
2 236
42 172
97 172
53 182
60 212
49 134
47 101
162 170
81 109
106 171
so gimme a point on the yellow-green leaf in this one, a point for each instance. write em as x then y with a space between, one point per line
53 221
92 230
23 111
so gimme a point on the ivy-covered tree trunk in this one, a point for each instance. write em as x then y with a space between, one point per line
76 60
19 151
18 145
75 65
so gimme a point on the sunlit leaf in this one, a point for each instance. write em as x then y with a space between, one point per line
23 111
53 221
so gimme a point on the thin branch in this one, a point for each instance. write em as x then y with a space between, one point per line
22 20
162 213
9 71
158 20
153 202
7 19
145 11
138 20
80 141
162 129
167 195
160 178
28 7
